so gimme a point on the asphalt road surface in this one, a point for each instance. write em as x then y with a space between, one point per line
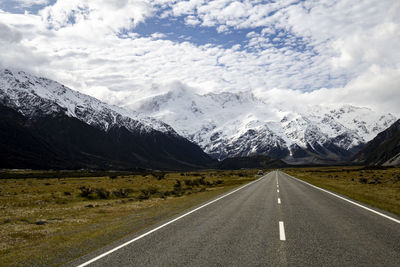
274 221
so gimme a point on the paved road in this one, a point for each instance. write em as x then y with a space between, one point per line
250 227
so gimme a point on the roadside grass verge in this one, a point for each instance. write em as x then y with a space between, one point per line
52 220
378 187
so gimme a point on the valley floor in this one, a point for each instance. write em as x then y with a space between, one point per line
51 218
50 221
378 187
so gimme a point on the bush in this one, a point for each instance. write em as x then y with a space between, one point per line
85 191
201 181
177 192
90 193
363 180
147 193
153 190
102 193
178 184
159 175
122 192
165 194
376 181
194 182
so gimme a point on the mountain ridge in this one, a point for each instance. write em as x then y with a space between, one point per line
47 125
242 124
384 149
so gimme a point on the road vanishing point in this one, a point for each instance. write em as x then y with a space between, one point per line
276 220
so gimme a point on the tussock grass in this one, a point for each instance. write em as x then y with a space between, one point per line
49 220
378 187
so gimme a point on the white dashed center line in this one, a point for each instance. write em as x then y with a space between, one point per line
279 200
282 231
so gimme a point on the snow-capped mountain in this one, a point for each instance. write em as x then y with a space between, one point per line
223 125
44 124
230 125
32 96
384 149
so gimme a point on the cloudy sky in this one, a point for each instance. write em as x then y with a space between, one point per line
290 51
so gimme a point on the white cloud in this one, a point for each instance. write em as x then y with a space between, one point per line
328 52
115 15
29 3
222 29
158 35
192 20
9 35
376 46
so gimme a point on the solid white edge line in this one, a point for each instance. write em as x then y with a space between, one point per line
282 235
345 199
165 224
279 200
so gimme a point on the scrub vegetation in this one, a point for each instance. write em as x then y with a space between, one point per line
52 217
376 186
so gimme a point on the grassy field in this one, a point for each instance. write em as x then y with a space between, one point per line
49 218
377 187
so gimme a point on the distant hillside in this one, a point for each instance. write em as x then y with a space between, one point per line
252 162
384 149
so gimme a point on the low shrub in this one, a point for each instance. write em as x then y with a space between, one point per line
102 193
122 192
144 195
147 193
85 191
159 175
178 184
195 182
90 193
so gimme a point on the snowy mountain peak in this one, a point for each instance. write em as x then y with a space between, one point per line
33 96
223 125
240 124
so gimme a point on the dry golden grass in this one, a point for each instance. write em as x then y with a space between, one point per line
377 187
47 221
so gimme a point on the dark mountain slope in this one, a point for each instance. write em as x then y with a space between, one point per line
384 149
59 141
44 124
